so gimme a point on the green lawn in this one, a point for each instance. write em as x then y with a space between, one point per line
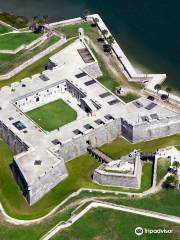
178 148
166 201
31 232
162 167
12 41
53 115
72 30
4 29
147 174
10 61
106 224
37 67
120 146
129 97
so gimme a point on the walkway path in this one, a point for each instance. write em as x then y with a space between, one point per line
61 225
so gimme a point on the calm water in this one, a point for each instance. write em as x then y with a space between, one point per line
148 30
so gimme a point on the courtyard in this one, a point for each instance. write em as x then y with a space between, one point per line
53 115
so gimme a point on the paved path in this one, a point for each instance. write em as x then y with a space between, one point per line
62 225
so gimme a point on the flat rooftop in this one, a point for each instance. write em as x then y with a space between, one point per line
144 110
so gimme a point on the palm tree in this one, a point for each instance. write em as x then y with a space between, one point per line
35 18
45 18
168 90
157 87
110 40
33 24
96 20
176 164
104 32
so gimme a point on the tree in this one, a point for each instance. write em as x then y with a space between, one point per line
35 18
104 32
110 40
171 181
157 87
168 90
96 20
45 19
176 164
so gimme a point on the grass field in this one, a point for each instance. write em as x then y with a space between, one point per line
120 146
72 30
162 167
178 148
147 173
10 61
129 97
166 201
53 115
31 232
12 41
4 29
105 224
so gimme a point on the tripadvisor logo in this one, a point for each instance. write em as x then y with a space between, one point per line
140 231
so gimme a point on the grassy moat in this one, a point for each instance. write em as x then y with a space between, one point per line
80 175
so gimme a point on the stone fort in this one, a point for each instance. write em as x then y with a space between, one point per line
40 160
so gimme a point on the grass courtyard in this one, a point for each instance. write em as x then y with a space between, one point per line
53 115
12 41
105 224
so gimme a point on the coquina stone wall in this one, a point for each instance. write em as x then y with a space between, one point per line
43 184
46 182
77 146
119 180
147 131
12 140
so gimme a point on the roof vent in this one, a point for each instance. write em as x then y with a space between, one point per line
37 162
